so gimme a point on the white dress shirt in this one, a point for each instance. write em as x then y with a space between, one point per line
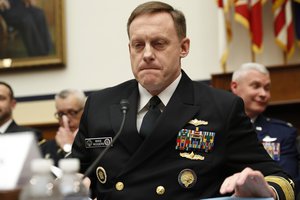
145 96
5 126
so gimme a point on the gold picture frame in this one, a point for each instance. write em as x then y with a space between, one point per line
14 53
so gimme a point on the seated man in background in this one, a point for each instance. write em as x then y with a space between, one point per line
69 105
7 123
252 83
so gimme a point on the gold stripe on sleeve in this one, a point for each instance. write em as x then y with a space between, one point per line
286 186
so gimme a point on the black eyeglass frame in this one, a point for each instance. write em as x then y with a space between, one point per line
69 113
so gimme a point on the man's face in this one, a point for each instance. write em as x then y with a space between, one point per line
6 104
71 108
155 51
254 89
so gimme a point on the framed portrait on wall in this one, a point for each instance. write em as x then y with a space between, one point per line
31 34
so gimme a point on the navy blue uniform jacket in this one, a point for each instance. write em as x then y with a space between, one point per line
137 169
285 134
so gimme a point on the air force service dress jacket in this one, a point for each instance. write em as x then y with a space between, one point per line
282 145
202 137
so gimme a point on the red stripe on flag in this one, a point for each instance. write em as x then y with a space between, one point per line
220 3
279 21
283 25
242 14
256 26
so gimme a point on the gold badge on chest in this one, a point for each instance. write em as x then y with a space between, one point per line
187 178
197 122
101 174
191 156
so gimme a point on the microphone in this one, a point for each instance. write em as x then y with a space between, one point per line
124 105
124 108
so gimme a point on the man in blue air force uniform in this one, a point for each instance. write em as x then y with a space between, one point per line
252 82
277 132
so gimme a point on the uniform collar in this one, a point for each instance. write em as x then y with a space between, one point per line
253 119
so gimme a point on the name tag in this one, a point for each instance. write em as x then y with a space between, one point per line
98 142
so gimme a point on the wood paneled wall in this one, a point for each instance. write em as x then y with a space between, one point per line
48 130
285 92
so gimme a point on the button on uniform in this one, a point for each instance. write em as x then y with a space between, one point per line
119 186
160 190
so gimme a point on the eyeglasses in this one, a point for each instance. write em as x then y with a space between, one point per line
69 113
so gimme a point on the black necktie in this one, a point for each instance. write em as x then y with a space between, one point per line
150 117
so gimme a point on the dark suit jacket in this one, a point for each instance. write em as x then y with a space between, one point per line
15 128
144 165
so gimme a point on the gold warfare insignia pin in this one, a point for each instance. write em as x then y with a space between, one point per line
187 178
101 175
197 122
191 156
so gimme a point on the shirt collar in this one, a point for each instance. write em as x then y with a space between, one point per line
5 126
164 96
253 119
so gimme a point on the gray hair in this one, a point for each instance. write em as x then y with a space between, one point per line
246 67
80 96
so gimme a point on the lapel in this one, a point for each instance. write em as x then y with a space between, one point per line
260 126
180 109
129 137
12 127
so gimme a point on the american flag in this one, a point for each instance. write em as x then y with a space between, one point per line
225 32
283 26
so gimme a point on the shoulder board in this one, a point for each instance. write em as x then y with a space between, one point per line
277 121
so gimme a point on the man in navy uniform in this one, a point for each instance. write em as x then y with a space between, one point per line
201 143
252 83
